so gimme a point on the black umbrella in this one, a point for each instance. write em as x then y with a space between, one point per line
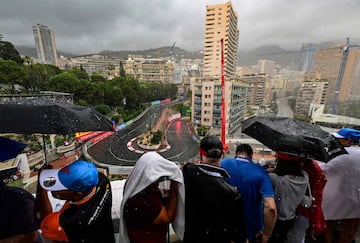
288 135
47 116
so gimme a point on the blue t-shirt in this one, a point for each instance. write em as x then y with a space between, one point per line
254 184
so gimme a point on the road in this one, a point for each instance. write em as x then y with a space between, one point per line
284 109
114 149
183 144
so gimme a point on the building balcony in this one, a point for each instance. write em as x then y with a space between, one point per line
217 102
216 111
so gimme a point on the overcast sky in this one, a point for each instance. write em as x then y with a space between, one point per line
89 26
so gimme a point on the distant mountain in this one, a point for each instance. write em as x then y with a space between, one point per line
31 51
283 57
164 51
286 58
273 52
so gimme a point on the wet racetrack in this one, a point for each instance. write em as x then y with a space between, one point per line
114 149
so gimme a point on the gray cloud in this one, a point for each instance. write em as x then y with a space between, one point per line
88 26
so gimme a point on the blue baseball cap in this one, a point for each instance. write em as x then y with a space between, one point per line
348 133
80 176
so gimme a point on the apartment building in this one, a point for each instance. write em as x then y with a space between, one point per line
256 90
206 103
350 86
266 67
45 44
150 70
327 62
310 93
221 23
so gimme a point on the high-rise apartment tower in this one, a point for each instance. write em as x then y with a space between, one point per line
221 23
45 44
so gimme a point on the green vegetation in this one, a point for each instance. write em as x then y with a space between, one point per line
17 183
156 137
350 108
103 109
250 111
8 52
123 95
202 130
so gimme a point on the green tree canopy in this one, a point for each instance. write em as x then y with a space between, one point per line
12 73
79 72
103 109
96 77
64 82
8 52
39 76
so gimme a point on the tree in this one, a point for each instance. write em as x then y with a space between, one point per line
64 82
8 52
96 77
202 130
111 68
156 137
103 109
12 73
79 72
39 76
350 108
27 60
122 70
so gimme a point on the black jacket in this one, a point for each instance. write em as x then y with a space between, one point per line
213 208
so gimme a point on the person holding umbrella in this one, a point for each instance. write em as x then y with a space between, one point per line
290 183
309 216
86 215
341 199
257 193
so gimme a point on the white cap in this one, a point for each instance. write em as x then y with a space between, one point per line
49 180
337 135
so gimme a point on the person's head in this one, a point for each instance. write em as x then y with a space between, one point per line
72 182
288 164
244 150
347 136
211 150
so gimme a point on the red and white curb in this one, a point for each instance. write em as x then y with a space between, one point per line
131 148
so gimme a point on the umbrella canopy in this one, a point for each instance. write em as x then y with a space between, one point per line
47 116
292 136
10 148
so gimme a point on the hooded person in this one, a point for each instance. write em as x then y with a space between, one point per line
153 198
86 214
